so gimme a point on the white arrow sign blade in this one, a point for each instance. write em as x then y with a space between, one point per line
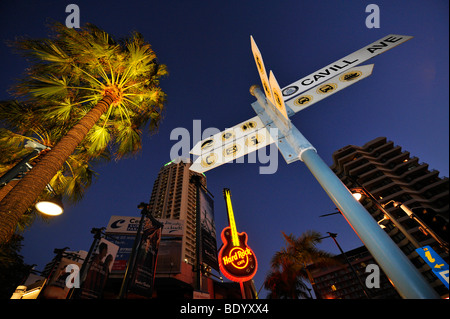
227 136
335 68
232 151
261 70
330 87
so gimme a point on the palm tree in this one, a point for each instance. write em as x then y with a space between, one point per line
286 282
99 91
294 260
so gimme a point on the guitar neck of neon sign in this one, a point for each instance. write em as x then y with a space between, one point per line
231 221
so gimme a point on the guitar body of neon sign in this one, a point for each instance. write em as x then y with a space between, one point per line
236 260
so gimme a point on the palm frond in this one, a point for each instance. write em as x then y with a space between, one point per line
98 138
128 140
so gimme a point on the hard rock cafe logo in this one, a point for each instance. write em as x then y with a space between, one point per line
303 100
326 88
238 257
350 76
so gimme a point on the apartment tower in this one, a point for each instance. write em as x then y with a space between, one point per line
389 174
174 197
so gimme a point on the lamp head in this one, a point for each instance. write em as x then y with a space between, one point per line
51 207
357 196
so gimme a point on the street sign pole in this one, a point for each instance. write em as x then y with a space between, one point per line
405 277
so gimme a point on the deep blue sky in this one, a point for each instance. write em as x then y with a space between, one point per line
206 46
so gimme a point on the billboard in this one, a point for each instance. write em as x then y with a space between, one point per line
208 231
130 225
122 231
123 225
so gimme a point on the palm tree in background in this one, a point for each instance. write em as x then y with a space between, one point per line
96 94
290 265
285 281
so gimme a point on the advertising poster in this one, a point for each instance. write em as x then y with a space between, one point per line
98 270
125 243
57 287
143 275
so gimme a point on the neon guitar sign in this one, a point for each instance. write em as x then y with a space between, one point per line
236 260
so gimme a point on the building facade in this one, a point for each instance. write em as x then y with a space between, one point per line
385 172
340 281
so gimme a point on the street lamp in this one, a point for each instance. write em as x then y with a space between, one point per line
357 196
360 191
411 215
51 207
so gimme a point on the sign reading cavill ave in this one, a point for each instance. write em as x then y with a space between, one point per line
344 64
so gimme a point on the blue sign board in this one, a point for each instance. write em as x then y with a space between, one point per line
437 264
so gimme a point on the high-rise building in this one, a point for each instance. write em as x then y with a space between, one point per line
174 197
385 172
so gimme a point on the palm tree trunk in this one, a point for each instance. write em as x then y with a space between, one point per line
7 188
25 193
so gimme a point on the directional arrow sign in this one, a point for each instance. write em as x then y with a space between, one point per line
261 70
305 100
235 149
227 136
330 87
337 76
335 68
277 95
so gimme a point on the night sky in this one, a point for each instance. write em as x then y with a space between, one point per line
206 46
